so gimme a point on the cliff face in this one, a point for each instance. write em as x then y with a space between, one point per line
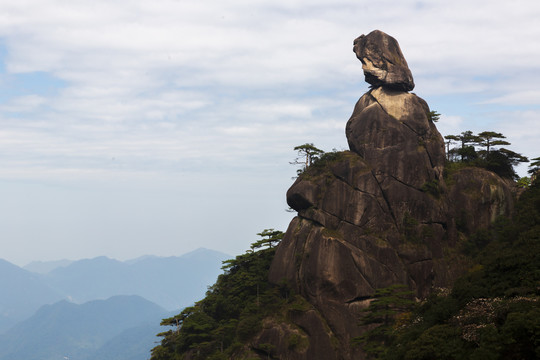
377 215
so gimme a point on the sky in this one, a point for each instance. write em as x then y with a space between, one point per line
135 127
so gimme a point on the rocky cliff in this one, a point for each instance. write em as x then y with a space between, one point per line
382 213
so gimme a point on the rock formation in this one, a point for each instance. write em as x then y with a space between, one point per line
383 62
377 215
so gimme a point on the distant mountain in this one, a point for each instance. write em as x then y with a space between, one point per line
22 293
132 344
91 279
67 330
43 267
193 273
148 276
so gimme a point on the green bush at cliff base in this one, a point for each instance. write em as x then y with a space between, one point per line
388 309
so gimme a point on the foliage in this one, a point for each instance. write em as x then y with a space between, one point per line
534 169
534 165
491 138
502 162
434 116
307 155
232 311
450 153
467 150
493 312
478 150
388 309
432 187
524 182
320 166
270 238
452 167
322 162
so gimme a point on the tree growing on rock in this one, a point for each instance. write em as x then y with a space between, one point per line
232 311
534 168
501 161
270 238
451 153
467 150
491 138
307 154
434 116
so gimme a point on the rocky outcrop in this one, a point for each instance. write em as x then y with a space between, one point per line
382 61
306 336
379 214
479 197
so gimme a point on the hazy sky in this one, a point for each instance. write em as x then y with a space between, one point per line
156 127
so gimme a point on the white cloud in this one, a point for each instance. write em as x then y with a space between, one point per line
531 97
24 103
522 128
158 90
450 125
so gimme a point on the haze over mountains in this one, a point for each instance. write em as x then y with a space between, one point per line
65 329
78 307
43 267
148 276
22 294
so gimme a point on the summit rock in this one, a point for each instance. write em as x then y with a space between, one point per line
382 61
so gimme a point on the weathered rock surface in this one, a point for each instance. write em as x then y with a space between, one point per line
382 61
305 337
391 129
378 215
479 197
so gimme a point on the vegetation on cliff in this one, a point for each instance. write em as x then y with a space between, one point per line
307 155
493 312
490 313
219 326
479 150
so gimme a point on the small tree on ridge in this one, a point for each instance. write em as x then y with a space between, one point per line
307 154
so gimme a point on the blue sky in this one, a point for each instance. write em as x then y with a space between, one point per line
135 127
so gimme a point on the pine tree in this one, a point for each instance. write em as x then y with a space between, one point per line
491 138
307 154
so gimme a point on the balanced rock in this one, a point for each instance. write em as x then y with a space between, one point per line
377 215
382 61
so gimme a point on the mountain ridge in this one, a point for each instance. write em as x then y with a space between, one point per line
44 267
66 329
27 293
101 278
